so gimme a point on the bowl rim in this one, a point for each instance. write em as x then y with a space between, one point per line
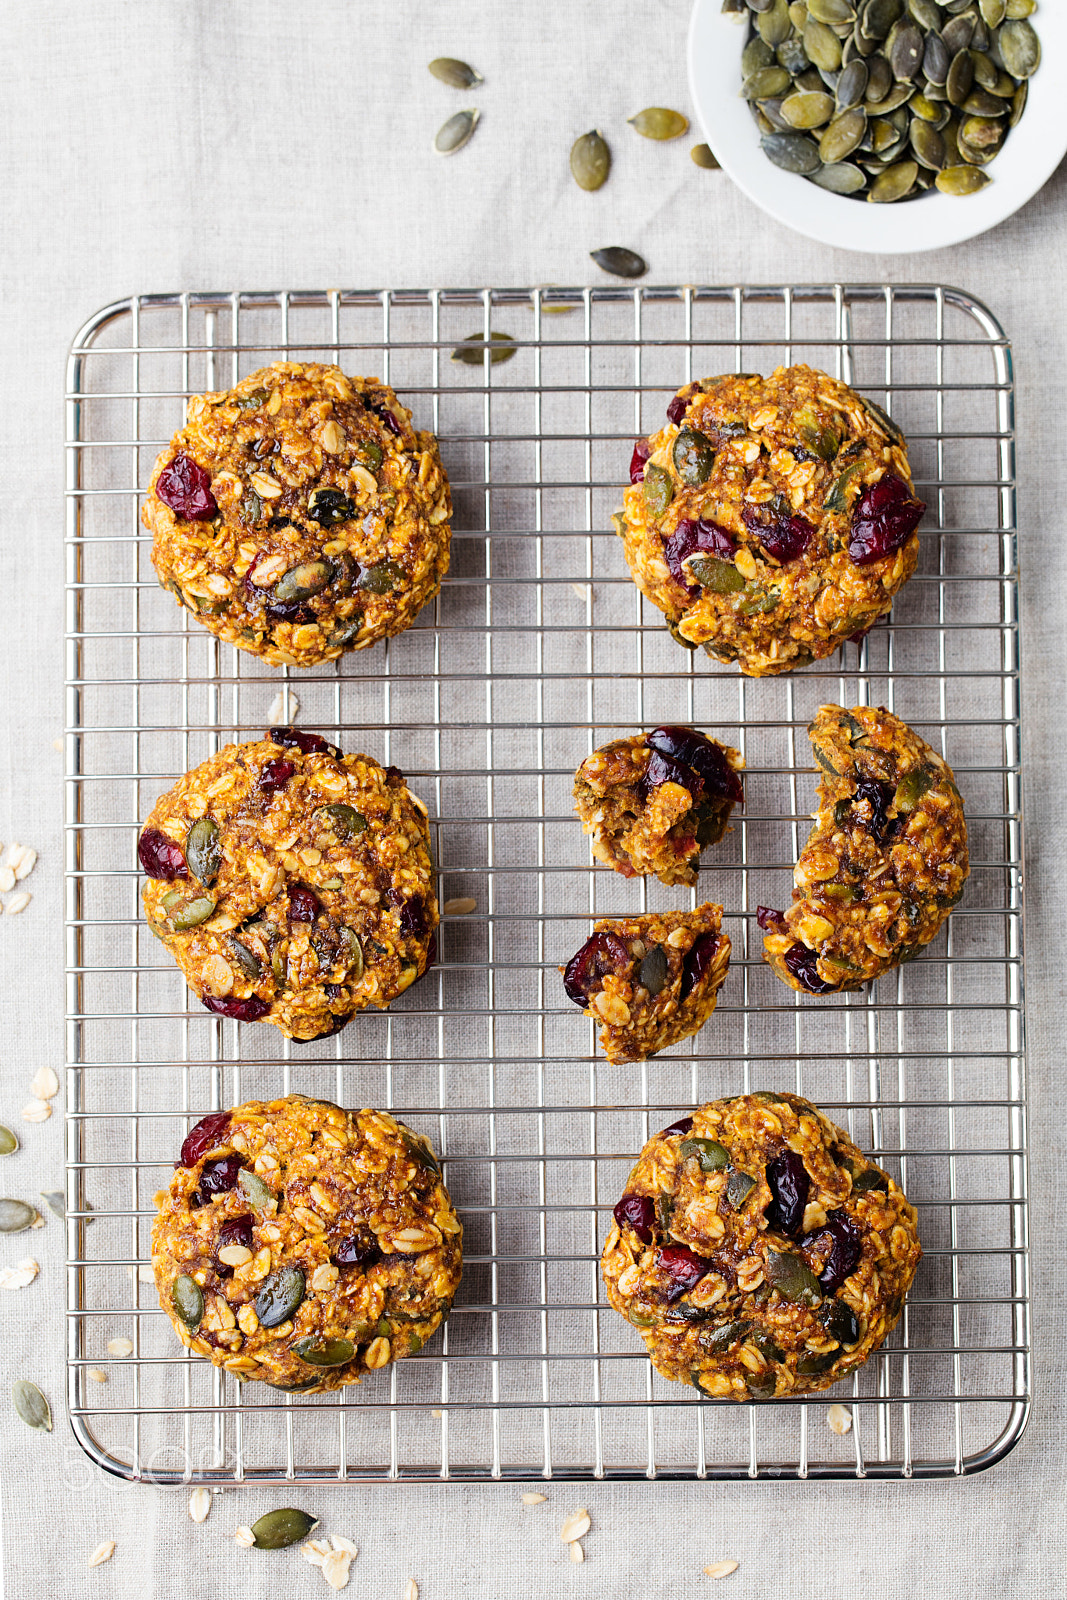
1029 158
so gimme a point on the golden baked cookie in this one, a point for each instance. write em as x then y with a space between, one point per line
884 864
291 883
649 980
772 518
653 802
305 1245
299 514
757 1252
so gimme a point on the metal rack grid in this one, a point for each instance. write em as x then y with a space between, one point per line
536 650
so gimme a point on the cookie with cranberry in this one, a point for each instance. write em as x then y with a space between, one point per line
653 802
304 1245
291 883
772 518
885 862
757 1251
650 980
299 514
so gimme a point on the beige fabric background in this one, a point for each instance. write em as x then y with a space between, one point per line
202 145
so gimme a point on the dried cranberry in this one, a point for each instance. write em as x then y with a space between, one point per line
771 921
209 1132
412 916
639 1211
642 451
682 1126
356 1252
684 1269
691 538
235 1230
706 759
801 963
879 797
790 1186
303 903
161 857
290 611
387 416
883 520
186 488
219 1177
600 954
660 770
697 963
334 991
677 409
861 633
275 776
394 777
845 1249
249 1010
782 535
310 743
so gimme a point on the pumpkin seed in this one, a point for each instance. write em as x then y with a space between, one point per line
702 155
844 135
879 79
279 1297
756 54
1018 103
203 852
15 1215
840 178
193 913
911 788
807 110
831 11
871 1179
793 152
823 46
303 581
381 578
456 132
246 959
981 133
765 83
936 59
904 51
958 33
657 490
590 160
694 457
879 16
657 122
279 1529
55 1200
324 1352
883 419
980 103
654 970
928 145
774 24
472 351
1020 48
852 84
252 1186
738 1188
711 1155
31 1405
457 74
343 821
1020 8
353 952
8 1142
960 77
927 13
894 183
792 55
793 1279
187 1298
620 262
345 632
715 575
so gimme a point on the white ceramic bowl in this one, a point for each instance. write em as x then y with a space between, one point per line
1030 155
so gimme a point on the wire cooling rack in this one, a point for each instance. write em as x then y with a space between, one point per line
538 649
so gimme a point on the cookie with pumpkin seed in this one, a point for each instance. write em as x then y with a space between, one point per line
299 514
649 980
757 1251
304 1245
885 862
772 518
292 884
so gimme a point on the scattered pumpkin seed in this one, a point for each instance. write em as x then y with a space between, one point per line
8 1142
654 970
203 851
657 490
187 1298
716 575
55 1201
303 581
702 155
15 1215
710 1155
456 132
341 820
324 1352
253 1187
793 1278
620 262
279 1529
457 74
1020 48
381 578
246 959
31 1405
694 457
193 913
590 160
279 1297
472 351
657 122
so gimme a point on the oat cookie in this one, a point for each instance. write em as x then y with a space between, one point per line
772 518
884 864
757 1252
300 514
291 883
305 1245
650 980
653 802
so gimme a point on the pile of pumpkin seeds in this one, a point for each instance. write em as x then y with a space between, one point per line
883 99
